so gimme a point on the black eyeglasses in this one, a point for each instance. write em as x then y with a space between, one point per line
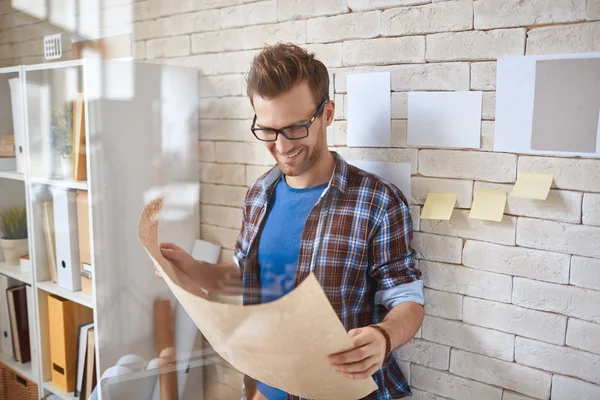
292 132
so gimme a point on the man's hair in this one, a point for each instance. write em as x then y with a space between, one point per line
278 68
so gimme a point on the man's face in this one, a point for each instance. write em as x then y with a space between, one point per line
293 107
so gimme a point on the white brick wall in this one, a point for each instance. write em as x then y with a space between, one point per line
522 278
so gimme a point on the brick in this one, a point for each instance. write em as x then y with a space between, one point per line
225 130
206 64
253 172
175 46
490 14
518 320
593 10
475 45
558 236
567 300
461 225
563 360
425 353
399 105
421 186
451 386
405 368
483 75
561 205
579 38
517 261
225 174
220 85
398 133
450 16
423 395
301 9
583 335
508 375
235 62
175 25
514 396
471 282
226 217
381 154
468 165
243 153
487 135
364 5
585 272
340 133
258 36
328 54
225 237
415 212
443 304
225 107
591 209
161 8
384 51
341 27
139 50
219 41
264 12
206 151
436 77
224 195
469 337
488 106
437 248
569 173
565 388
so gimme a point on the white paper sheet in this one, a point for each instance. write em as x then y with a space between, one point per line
396 173
515 90
369 110
444 119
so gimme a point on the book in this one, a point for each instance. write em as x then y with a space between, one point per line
49 236
17 308
89 381
78 155
82 346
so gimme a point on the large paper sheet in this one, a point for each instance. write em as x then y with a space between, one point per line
284 343
396 173
444 119
515 92
566 105
369 110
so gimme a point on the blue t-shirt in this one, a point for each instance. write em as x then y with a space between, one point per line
279 247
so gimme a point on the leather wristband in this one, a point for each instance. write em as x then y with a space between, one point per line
388 341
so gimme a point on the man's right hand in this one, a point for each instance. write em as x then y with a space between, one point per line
216 278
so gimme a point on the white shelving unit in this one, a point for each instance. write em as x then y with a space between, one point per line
141 133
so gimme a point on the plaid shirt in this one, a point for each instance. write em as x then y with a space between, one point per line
356 241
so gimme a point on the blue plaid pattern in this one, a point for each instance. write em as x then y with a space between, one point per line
356 241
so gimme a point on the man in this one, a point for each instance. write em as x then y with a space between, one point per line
313 212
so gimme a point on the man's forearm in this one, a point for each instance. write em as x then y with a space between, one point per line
402 322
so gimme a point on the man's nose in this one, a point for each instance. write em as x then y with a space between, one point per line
283 145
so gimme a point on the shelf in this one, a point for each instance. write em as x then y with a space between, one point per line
22 369
81 185
78 297
49 386
12 175
15 272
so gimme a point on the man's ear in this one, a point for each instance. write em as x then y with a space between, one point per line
329 112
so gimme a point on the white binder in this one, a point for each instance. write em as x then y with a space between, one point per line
16 97
67 240
6 344
32 330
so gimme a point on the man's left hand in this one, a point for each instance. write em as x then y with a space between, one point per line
364 358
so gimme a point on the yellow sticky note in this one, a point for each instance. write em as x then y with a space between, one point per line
488 204
438 206
532 186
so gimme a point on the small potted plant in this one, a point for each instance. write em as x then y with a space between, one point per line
62 132
13 224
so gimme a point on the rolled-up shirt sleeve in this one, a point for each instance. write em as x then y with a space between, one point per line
407 292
